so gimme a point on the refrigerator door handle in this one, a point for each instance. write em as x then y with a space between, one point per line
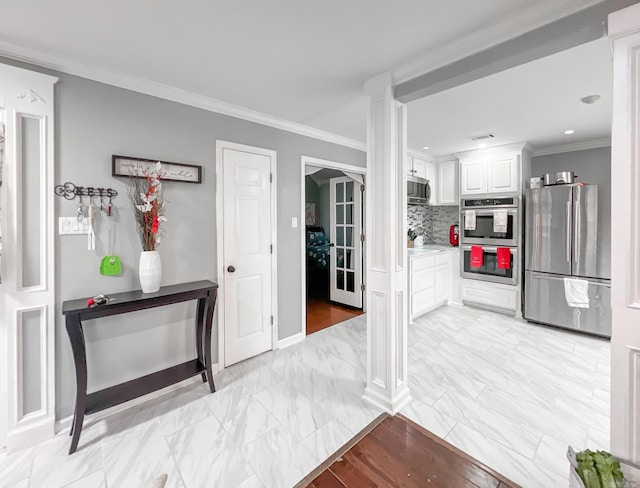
576 233
568 231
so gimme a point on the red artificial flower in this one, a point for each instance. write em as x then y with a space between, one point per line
155 225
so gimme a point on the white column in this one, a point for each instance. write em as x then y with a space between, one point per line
624 30
386 256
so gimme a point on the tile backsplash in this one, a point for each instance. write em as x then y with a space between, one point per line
432 221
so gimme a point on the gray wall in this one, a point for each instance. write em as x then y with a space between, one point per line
94 121
312 195
325 208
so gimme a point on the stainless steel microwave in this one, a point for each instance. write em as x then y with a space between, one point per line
418 191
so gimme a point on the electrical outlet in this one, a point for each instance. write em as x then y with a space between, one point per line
71 226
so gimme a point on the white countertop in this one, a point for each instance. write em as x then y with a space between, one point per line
428 249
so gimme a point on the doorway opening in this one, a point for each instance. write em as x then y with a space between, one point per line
333 243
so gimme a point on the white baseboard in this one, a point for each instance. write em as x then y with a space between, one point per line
291 340
30 434
65 423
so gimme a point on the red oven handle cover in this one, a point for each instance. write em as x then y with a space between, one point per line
477 256
504 257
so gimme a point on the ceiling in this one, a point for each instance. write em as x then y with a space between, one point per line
299 60
534 102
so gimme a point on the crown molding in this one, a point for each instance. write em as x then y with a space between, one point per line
577 146
523 20
168 92
416 153
523 146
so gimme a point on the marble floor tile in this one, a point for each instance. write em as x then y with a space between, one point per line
492 424
207 456
277 460
94 480
552 454
255 376
242 416
20 484
293 409
514 466
138 456
53 467
532 415
326 440
15 467
422 385
428 417
181 410
351 409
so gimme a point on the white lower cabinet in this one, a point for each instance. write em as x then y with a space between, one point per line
491 295
429 282
456 282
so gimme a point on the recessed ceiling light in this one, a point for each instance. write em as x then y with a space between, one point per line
425 147
569 132
482 145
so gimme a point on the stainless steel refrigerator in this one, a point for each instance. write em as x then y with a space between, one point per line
568 235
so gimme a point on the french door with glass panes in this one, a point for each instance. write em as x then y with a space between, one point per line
346 253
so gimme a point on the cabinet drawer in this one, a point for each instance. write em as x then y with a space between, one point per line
419 263
442 258
422 280
489 295
422 301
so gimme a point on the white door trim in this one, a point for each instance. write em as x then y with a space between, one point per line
220 146
29 95
322 163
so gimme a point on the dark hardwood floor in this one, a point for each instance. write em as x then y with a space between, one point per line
399 453
322 314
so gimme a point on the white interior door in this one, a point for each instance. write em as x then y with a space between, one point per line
247 253
346 230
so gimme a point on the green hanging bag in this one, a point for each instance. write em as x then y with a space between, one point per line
111 264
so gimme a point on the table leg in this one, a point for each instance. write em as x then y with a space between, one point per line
202 307
211 303
76 337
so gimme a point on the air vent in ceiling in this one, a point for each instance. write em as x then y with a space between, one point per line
482 137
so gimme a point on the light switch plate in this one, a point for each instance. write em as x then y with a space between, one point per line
71 226
294 222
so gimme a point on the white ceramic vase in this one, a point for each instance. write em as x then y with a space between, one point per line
150 271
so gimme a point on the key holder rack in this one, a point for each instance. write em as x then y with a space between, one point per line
70 191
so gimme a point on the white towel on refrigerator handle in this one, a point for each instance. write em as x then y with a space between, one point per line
500 221
576 292
469 220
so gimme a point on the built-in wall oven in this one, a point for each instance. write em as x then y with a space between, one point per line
490 269
489 221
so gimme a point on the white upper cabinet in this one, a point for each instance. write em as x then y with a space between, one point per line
503 175
473 177
448 183
493 173
419 168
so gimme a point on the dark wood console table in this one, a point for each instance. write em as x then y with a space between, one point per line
75 311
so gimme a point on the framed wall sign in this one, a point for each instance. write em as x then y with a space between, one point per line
139 168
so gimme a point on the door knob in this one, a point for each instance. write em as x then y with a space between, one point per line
231 269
